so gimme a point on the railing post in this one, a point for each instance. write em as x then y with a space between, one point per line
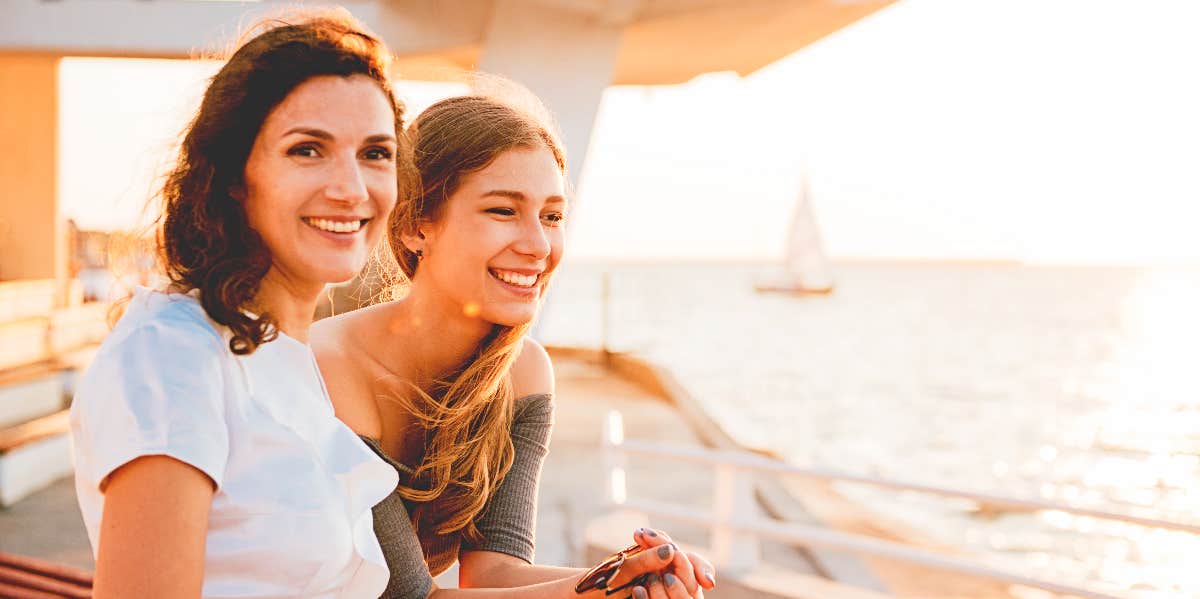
614 459
605 324
733 503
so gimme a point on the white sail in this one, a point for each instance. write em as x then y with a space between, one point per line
806 260
806 266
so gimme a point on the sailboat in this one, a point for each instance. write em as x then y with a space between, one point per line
806 268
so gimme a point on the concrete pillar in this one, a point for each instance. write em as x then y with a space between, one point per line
563 56
32 238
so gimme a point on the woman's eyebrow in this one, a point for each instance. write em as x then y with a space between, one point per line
311 132
520 197
325 135
504 193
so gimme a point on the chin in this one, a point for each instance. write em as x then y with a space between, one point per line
334 274
511 318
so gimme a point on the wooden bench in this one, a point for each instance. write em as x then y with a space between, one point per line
78 326
27 298
30 392
24 341
34 454
29 578
34 444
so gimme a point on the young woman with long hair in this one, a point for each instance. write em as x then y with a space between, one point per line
444 382
208 458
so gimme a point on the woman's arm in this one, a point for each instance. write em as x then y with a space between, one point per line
647 561
152 531
563 588
151 445
504 561
480 569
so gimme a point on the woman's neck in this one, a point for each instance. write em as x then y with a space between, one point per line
438 337
290 303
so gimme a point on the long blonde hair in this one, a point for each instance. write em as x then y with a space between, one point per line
468 414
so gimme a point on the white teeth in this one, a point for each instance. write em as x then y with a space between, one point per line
517 279
333 226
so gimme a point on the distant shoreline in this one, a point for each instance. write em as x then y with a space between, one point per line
890 262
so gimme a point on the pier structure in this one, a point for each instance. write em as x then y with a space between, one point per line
566 51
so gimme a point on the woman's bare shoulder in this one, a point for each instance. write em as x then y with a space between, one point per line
532 372
345 366
344 337
329 338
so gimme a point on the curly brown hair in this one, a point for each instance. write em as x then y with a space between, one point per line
204 239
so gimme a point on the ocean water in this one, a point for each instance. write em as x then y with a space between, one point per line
1080 385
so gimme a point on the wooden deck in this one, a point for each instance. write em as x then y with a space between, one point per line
29 578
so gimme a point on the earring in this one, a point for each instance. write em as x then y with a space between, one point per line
420 254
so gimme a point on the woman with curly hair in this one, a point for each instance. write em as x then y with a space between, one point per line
446 385
208 458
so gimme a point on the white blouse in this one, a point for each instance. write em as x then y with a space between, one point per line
291 516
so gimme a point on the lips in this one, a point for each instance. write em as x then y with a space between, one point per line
527 279
336 225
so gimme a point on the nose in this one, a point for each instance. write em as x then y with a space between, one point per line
534 241
346 183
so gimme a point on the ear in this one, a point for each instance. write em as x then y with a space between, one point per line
237 191
414 239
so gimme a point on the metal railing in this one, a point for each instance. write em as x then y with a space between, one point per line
734 534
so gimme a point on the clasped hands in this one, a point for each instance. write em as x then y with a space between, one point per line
660 570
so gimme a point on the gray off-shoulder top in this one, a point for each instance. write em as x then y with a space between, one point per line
507 523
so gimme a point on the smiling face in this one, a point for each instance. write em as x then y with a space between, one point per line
321 178
497 238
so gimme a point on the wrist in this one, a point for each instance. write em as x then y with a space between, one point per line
606 578
565 589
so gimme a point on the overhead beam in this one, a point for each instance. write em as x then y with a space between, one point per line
190 28
166 28
564 57
32 238
674 41
661 41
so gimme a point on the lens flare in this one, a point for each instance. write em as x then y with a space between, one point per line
471 309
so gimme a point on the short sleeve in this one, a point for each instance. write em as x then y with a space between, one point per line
410 577
508 524
157 390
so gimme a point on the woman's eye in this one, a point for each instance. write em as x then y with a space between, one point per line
502 211
306 150
555 218
378 154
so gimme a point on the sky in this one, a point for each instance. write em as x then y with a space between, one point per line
1045 131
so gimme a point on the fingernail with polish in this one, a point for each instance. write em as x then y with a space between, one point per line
669 579
651 579
650 531
710 577
664 551
639 592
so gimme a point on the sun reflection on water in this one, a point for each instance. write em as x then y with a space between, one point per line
1155 409
1075 385
1145 443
